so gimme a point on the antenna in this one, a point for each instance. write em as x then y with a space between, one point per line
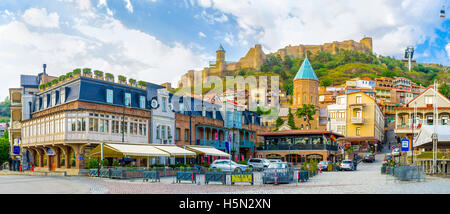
409 52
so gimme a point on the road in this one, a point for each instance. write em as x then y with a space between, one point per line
367 179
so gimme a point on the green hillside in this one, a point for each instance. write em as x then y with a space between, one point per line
4 110
335 69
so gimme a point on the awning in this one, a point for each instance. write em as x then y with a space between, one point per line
127 150
426 132
207 150
174 151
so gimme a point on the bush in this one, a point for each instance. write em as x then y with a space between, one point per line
205 164
109 76
105 162
142 83
76 71
92 164
132 81
115 163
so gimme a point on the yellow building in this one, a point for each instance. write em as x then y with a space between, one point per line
364 123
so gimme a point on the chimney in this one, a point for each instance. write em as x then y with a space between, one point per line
45 67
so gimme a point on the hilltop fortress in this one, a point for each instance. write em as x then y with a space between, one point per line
255 57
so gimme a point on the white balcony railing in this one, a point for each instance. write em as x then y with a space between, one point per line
357 120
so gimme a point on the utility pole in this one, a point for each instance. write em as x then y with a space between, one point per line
409 52
434 136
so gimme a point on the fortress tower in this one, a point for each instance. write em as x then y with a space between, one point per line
367 41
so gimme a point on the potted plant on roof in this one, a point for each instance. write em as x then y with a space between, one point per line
132 82
87 72
98 74
76 72
41 87
54 82
122 79
62 78
69 75
109 77
142 84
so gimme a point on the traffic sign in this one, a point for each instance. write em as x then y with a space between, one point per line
405 144
342 146
393 147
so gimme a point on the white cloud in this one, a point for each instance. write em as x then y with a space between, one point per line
40 18
201 34
447 48
393 25
129 6
212 18
204 3
99 42
102 3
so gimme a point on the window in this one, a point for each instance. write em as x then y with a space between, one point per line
54 99
358 99
204 111
158 132
163 132
214 114
163 104
124 127
72 124
93 124
177 134
104 126
142 102
115 126
62 95
109 95
358 130
169 133
428 99
81 124
186 135
127 99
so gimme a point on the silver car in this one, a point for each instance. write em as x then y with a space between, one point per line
258 163
226 166
347 165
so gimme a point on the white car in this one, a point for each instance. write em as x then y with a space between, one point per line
396 152
275 161
226 166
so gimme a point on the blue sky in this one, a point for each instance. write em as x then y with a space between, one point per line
158 41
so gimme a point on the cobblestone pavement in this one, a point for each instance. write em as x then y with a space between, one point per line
367 179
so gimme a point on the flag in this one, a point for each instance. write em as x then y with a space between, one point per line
325 139
333 138
242 157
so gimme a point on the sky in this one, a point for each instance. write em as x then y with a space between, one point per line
158 41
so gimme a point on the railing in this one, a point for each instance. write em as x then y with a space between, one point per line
301 147
218 144
247 144
357 120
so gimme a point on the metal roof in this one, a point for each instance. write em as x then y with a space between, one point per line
306 71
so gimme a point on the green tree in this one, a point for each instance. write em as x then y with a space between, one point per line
5 148
308 111
291 121
279 122
444 89
326 82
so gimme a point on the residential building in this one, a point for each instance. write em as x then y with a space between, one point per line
422 106
71 117
364 123
338 116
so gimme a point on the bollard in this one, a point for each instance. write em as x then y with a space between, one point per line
276 177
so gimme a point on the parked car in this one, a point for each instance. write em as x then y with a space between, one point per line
226 166
275 160
387 158
368 158
396 152
279 172
258 163
347 165
323 165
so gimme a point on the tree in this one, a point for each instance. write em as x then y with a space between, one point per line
444 89
326 82
308 111
279 122
291 121
5 148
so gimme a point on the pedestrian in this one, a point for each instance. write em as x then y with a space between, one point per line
355 163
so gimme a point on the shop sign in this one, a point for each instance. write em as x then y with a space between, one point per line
16 150
50 152
273 156
405 144
241 178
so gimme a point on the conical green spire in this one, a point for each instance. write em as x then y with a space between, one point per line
306 71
